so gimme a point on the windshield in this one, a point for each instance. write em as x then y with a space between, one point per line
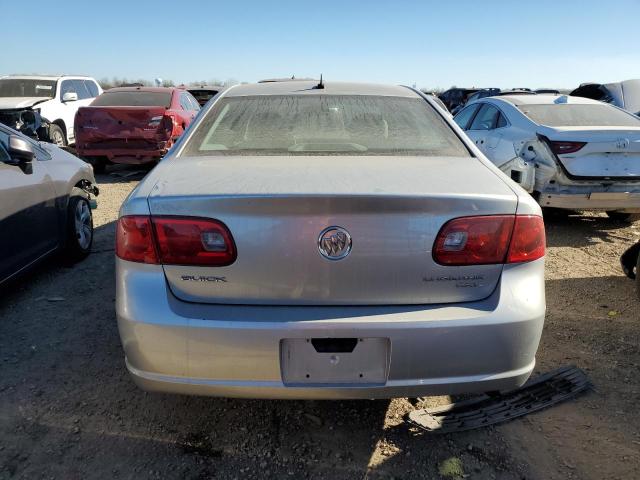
329 124
19 87
579 115
203 96
133 99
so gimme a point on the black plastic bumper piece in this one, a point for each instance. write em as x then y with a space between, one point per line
538 393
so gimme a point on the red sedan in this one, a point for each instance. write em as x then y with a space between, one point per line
132 125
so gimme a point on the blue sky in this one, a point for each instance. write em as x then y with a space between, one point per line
432 44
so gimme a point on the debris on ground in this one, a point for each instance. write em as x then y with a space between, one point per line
538 393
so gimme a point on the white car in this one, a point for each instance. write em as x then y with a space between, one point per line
568 152
45 106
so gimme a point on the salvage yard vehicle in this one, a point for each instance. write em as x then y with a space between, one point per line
568 152
204 93
45 203
630 261
43 106
133 125
455 98
624 94
328 240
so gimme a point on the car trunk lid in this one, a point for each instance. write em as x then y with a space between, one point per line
96 125
608 152
277 207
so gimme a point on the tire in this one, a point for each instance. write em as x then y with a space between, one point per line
621 217
57 136
79 229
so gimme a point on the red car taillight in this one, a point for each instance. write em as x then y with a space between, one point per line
174 241
134 240
528 241
490 239
566 147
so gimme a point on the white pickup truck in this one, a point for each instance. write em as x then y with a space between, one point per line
44 106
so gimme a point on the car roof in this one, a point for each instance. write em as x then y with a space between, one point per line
46 77
543 99
204 87
142 89
300 87
287 79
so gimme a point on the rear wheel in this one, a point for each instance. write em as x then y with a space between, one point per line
57 136
79 234
621 216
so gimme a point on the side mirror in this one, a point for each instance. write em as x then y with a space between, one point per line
20 150
70 97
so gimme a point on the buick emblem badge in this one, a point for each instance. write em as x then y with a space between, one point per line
334 243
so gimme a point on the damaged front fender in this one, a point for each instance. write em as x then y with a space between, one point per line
27 121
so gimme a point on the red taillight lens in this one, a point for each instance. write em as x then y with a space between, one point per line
174 241
134 240
528 240
474 240
490 239
193 241
566 147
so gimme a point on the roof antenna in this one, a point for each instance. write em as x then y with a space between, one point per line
320 85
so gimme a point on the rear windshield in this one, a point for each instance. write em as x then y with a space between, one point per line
324 124
133 99
203 96
19 87
579 115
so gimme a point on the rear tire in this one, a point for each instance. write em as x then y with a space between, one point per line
79 232
57 136
621 217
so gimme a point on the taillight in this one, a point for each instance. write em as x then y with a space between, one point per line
490 239
566 147
528 240
193 241
134 240
174 241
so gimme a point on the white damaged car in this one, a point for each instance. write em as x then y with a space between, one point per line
44 106
568 152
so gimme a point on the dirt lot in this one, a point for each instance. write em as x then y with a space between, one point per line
68 409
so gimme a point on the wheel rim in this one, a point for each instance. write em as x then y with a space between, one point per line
83 224
58 139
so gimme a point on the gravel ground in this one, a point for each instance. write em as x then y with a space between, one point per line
69 410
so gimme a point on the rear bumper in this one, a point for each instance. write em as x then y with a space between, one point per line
619 201
131 156
234 350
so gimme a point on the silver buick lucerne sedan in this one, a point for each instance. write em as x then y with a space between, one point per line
336 240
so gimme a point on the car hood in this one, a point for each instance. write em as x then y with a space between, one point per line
20 102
